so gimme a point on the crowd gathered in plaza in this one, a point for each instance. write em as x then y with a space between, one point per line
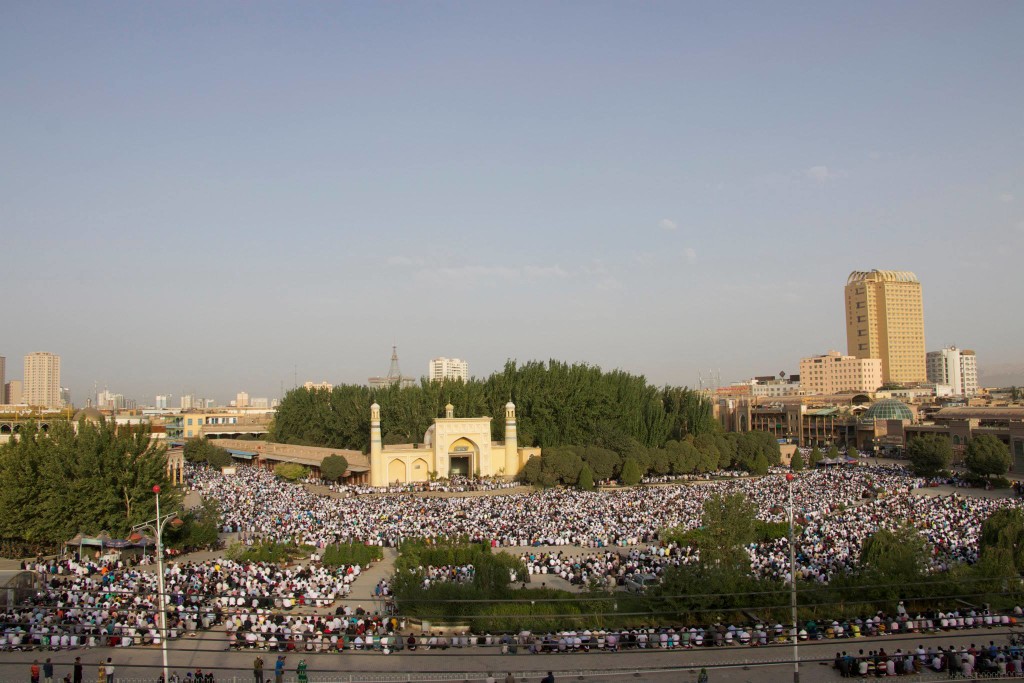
837 509
88 604
581 537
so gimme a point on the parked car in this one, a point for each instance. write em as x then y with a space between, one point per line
638 583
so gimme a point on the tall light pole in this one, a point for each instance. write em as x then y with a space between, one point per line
792 585
157 527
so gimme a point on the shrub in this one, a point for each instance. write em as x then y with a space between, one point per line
631 474
290 471
342 554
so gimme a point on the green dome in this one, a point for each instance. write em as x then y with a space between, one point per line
89 414
888 409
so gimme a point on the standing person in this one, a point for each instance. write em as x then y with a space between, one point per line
279 670
702 677
48 671
490 678
76 671
102 674
110 670
257 669
300 671
550 678
33 671
510 678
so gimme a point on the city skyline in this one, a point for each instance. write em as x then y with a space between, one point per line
665 189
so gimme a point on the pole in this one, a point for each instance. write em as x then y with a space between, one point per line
162 598
792 586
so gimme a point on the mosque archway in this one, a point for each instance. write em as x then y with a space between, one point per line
463 457
396 472
420 470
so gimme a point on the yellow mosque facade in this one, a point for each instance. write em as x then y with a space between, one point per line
452 446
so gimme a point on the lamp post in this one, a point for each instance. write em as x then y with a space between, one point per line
792 585
157 527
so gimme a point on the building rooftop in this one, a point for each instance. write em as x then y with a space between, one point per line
881 276
967 413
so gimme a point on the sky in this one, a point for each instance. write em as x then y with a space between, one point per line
215 197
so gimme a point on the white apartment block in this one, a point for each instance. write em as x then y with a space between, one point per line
42 380
318 386
835 373
442 368
242 399
955 367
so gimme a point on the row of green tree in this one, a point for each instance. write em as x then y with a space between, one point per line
712 450
985 455
58 483
557 404
893 566
720 588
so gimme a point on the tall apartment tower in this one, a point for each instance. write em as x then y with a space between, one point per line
955 367
885 320
42 380
3 380
448 368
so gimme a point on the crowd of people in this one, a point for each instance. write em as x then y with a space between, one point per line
836 509
454 484
87 604
605 536
966 662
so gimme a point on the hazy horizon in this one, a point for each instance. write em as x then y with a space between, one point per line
213 198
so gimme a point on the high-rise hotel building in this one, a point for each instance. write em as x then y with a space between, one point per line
885 319
42 380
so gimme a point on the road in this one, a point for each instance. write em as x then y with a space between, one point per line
772 664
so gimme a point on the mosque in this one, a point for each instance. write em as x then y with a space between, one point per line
452 446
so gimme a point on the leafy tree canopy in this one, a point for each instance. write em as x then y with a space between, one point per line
987 456
797 462
290 471
55 484
557 404
929 454
333 467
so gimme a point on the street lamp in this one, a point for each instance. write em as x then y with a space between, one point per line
792 584
157 527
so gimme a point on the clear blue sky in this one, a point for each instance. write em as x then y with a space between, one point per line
202 196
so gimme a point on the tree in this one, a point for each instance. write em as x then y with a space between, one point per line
729 523
531 471
833 452
603 462
333 467
54 484
815 457
557 404
894 556
987 456
631 474
929 454
202 451
796 463
586 480
290 471
1002 536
